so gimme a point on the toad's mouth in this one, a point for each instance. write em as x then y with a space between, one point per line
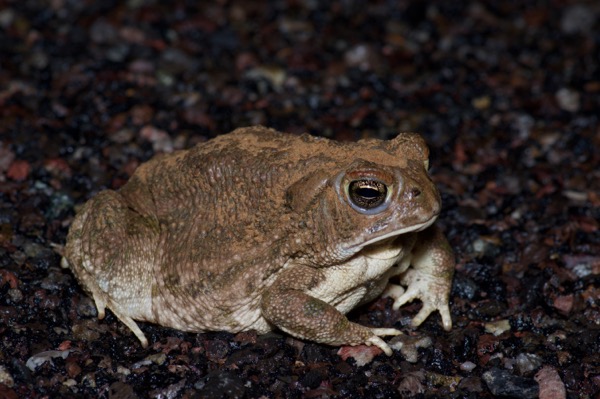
395 233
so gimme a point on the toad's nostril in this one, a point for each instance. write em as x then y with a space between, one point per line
415 192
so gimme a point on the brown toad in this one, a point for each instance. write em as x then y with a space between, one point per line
258 229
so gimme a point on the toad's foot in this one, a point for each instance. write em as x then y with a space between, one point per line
434 293
128 321
430 277
378 342
103 301
393 291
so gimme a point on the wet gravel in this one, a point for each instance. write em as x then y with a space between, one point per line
506 93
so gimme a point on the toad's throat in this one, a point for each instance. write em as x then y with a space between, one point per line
383 250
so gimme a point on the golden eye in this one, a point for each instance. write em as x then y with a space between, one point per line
367 194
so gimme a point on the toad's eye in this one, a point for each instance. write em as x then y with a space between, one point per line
367 194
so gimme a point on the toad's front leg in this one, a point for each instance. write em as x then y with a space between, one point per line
430 277
290 309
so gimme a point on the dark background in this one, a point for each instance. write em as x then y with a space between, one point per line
506 93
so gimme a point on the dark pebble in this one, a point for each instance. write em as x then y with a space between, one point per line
216 349
86 307
121 390
312 379
465 287
503 383
221 384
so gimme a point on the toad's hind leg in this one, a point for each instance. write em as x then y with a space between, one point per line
102 301
108 249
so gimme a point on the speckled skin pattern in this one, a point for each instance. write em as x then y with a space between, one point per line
258 229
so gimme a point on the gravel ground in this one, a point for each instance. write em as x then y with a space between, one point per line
506 93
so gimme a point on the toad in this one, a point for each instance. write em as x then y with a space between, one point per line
263 230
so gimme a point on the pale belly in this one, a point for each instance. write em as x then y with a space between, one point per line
346 286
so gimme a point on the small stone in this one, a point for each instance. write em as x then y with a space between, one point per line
482 102
551 386
497 327
274 75
88 330
171 391
503 383
363 57
32 249
362 354
468 366
216 349
60 204
578 18
39 60
6 378
174 61
15 294
118 52
157 358
73 369
55 281
40 358
161 141
121 390
70 383
18 170
312 379
103 32
528 362
568 99
412 385
564 303
7 16
471 384
219 384
86 307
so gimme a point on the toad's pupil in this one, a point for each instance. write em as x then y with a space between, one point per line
367 194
